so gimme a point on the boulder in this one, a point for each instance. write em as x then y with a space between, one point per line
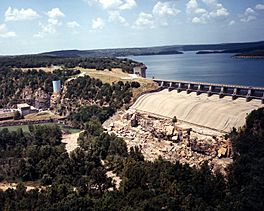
222 152
169 130
134 122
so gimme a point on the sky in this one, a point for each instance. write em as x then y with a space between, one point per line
35 26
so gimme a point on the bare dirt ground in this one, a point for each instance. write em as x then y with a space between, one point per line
71 141
43 115
115 75
116 179
46 69
5 185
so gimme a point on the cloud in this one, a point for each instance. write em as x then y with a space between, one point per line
259 7
144 20
4 33
191 6
20 15
114 7
200 11
231 23
114 4
128 4
249 15
213 11
73 24
98 23
162 11
210 2
201 20
52 24
249 11
219 12
55 13
114 16
165 9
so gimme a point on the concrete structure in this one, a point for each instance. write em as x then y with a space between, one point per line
140 71
25 109
6 114
56 86
55 97
219 89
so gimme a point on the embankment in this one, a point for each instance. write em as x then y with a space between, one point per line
211 112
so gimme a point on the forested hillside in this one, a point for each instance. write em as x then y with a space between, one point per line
36 61
79 181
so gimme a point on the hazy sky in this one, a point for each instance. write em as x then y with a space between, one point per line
33 26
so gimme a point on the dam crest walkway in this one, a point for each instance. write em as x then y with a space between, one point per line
236 91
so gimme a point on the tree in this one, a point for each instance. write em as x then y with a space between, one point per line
17 115
174 119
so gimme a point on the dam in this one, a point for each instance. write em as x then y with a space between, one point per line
222 90
213 106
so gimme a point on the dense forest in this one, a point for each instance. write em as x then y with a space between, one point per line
78 181
101 100
36 61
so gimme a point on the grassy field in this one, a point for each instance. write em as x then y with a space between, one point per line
25 128
43 115
116 75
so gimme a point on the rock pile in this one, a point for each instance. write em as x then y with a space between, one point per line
158 136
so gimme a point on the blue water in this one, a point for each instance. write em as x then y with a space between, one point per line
212 68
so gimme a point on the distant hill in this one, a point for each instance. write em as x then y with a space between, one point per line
162 50
119 52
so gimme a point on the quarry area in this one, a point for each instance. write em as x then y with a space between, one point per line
173 141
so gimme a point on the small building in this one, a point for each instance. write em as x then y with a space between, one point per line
140 71
6 114
25 109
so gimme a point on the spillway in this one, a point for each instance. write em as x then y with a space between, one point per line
220 114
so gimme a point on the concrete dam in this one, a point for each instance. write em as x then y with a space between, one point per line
222 90
214 106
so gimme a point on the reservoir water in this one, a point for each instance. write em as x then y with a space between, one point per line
212 68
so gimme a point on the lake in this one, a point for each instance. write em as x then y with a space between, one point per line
212 68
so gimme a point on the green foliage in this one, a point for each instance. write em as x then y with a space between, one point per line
135 84
174 119
246 173
79 182
14 81
17 115
36 61
87 88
